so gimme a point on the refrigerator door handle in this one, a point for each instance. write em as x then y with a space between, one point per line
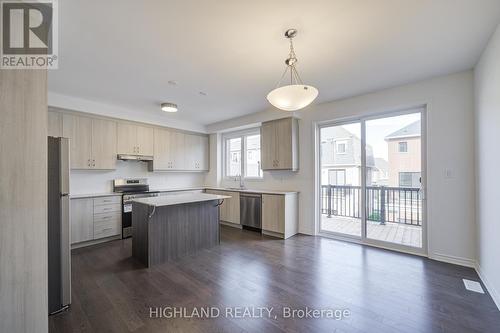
64 165
65 251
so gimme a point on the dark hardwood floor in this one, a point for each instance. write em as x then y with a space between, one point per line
384 291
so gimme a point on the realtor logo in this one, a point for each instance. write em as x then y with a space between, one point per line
28 34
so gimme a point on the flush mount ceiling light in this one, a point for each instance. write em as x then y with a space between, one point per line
169 107
296 95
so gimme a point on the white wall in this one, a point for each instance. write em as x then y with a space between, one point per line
450 136
94 182
487 90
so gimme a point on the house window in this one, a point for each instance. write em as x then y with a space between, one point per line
242 154
336 177
403 147
409 179
341 147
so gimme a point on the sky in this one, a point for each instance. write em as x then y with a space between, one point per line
377 130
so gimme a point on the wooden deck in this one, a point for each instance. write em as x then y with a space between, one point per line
390 232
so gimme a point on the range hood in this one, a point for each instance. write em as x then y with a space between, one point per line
128 157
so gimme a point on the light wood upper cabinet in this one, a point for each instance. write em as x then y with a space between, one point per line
79 131
279 144
268 148
145 140
169 150
196 152
135 139
127 139
103 144
92 142
54 124
204 149
161 151
177 144
178 151
95 143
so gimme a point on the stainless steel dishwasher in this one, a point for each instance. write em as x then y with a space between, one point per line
251 211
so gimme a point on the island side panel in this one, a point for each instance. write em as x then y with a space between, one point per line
179 230
140 226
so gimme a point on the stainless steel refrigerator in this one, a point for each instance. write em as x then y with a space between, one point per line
59 256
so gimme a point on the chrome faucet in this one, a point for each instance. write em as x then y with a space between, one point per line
242 181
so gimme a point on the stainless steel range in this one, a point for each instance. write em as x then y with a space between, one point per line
131 188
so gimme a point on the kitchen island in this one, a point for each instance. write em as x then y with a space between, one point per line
168 227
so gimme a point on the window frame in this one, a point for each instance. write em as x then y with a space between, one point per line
339 142
399 146
243 134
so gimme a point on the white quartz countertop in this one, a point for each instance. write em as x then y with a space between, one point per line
94 195
229 189
180 199
181 189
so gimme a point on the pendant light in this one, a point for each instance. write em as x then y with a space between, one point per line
296 95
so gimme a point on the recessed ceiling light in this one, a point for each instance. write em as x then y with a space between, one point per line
172 82
169 107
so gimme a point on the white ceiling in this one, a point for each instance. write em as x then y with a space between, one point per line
124 52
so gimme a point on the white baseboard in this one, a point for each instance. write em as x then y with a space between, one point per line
453 260
491 290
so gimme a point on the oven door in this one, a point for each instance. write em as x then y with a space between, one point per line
127 220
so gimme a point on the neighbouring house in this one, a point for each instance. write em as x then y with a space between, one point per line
404 154
341 157
380 173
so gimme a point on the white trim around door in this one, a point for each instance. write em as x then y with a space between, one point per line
423 251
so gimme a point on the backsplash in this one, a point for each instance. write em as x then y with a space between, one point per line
89 182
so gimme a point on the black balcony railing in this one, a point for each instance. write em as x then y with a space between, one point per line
383 204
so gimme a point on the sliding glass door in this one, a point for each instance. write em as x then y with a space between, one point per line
371 177
341 173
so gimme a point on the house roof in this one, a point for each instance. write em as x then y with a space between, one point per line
408 131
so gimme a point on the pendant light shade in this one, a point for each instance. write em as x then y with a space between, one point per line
292 97
296 95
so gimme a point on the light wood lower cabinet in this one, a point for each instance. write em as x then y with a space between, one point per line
82 220
280 214
95 218
230 208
